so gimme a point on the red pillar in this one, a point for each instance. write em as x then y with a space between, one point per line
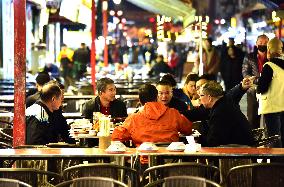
19 72
105 33
93 46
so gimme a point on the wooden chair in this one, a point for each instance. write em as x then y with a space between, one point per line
260 175
124 174
92 181
183 181
12 183
182 169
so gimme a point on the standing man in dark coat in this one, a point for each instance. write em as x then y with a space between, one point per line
160 67
231 65
252 66
81 59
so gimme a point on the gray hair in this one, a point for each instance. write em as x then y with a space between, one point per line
102 84
213 89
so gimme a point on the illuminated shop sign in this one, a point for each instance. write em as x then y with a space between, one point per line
165 29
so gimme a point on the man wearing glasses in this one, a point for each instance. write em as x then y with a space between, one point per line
227 124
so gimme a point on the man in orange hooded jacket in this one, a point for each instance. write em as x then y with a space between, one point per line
155 122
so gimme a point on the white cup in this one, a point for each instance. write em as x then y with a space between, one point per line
93 132
190 139
190 148
198 147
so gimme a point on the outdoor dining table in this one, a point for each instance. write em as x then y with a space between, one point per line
51 154
218 153
85 153
72 115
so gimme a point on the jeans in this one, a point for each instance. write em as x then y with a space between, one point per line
275 126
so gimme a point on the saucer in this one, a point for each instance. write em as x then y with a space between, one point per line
114 152
148 151
176 150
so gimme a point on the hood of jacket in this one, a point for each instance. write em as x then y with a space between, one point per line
278 61
154 110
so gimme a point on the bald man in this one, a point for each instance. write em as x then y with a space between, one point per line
271 89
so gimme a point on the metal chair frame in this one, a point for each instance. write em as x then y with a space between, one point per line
116 172
257 174
6 124
29 175
87 181
13 182
182 169
181 181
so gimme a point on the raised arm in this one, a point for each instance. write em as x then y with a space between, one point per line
236 93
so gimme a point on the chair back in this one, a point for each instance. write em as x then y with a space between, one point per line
259 133
182 169
92 181
225 164
6 133
183 181
260 175
5 123
31 176
121 173
4 144
12 183
267 142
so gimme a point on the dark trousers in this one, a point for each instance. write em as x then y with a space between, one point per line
275 126
252 107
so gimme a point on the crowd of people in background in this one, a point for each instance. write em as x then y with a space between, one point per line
73 64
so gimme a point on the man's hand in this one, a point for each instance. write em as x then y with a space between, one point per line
247 82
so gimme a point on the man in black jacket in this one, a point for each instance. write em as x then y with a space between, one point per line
227 124
105 102
44 118
160 67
